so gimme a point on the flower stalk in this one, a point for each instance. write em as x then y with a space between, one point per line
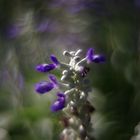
74 101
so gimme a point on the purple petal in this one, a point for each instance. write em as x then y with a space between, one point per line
61 94
89 55
53 79
44 87
59 104
54 59
45 67
98 58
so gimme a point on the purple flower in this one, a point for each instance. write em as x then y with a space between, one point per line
12 31
53 79
45 67
60 94
44 87
59 104
91 57
54 59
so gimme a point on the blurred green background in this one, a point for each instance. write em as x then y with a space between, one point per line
31 30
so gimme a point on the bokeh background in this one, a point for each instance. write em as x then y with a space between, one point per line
31 30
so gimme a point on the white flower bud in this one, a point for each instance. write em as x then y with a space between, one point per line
78 52
75 122
81 128
66 53
63 78
63 85
71 121
71 68
72 103
72 62
82 95
64 72
78 68
69 134
69 91
72 53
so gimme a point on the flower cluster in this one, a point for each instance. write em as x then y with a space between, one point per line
73 101
74 66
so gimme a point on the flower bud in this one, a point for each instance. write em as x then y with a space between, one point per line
59 104
66 53
54 59
45 67
44 87
78 52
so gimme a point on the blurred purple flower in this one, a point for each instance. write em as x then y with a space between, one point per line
55 4
60 3
12 31
45 67
75 9
47 26
137 3
54 59
43 26
59 104
44 87
20 80
75 6
91 4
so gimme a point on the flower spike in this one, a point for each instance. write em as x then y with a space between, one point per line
76 85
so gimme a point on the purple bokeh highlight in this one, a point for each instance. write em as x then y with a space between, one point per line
12 31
